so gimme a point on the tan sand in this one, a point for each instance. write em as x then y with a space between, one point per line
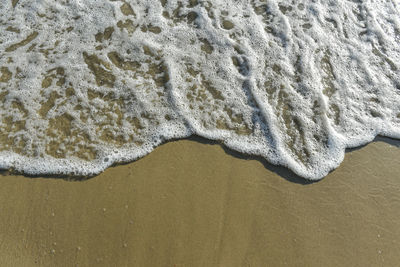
193 204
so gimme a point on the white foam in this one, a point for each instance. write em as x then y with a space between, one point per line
294 83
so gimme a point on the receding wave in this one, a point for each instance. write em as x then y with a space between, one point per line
86 84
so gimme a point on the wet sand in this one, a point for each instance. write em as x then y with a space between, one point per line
192 203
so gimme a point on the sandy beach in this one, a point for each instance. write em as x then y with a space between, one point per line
86 84
193 203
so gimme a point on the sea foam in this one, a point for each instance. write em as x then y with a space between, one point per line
86 84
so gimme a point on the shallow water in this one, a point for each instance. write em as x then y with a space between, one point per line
84 85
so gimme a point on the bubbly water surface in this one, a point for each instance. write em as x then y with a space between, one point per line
86 84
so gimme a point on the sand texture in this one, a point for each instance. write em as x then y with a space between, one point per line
192 203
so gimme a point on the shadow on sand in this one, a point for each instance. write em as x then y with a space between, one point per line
279 170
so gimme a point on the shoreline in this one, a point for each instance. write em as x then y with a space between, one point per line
280 170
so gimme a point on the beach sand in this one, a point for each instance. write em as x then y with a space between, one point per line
194 203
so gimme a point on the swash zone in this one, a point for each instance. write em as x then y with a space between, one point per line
87 84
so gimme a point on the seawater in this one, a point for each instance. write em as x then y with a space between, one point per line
86 84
